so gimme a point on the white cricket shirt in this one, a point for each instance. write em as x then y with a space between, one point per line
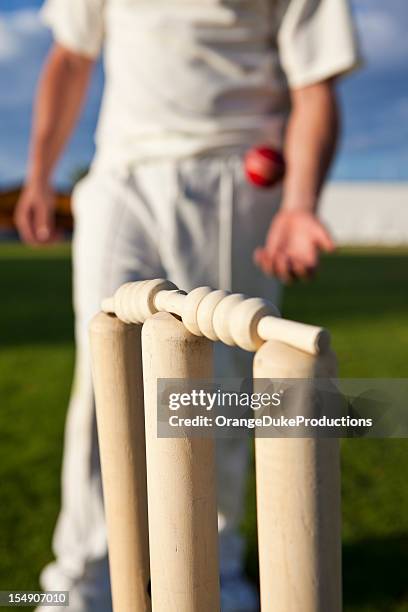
186 76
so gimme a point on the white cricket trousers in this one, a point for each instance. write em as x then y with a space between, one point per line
196 222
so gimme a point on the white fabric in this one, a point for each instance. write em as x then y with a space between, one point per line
185 76
161 220
76 24
316 41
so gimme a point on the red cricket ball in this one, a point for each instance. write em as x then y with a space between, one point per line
264 166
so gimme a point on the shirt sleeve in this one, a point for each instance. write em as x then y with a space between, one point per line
77 25
317 40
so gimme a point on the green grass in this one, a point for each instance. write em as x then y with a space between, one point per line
36 358
360 295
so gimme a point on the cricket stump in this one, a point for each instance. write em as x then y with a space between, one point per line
118 384
181 479
298 501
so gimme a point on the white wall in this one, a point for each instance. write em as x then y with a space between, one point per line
366 213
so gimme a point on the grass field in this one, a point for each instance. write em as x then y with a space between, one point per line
361 296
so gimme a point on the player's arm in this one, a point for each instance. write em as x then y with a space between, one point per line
310 145
61 91
296 236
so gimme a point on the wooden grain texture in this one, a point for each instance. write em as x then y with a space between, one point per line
216 314
298 501
118 383
181 479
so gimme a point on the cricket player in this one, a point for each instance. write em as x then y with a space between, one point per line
190 86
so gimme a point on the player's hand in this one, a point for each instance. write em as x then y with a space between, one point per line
34 215
293 244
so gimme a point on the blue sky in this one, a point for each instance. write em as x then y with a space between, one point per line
374 101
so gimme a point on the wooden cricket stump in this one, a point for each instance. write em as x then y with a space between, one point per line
298 479
181 479
298 500
118 384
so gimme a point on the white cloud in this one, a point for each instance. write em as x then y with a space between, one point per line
23 44
8 43
20 31
27 22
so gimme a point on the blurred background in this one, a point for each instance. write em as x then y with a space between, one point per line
361 295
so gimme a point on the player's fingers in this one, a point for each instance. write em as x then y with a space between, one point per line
298 267
24 223
44 225
274 238
304 258
268 266
323 239
282 267
264 262
272 245
304 269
